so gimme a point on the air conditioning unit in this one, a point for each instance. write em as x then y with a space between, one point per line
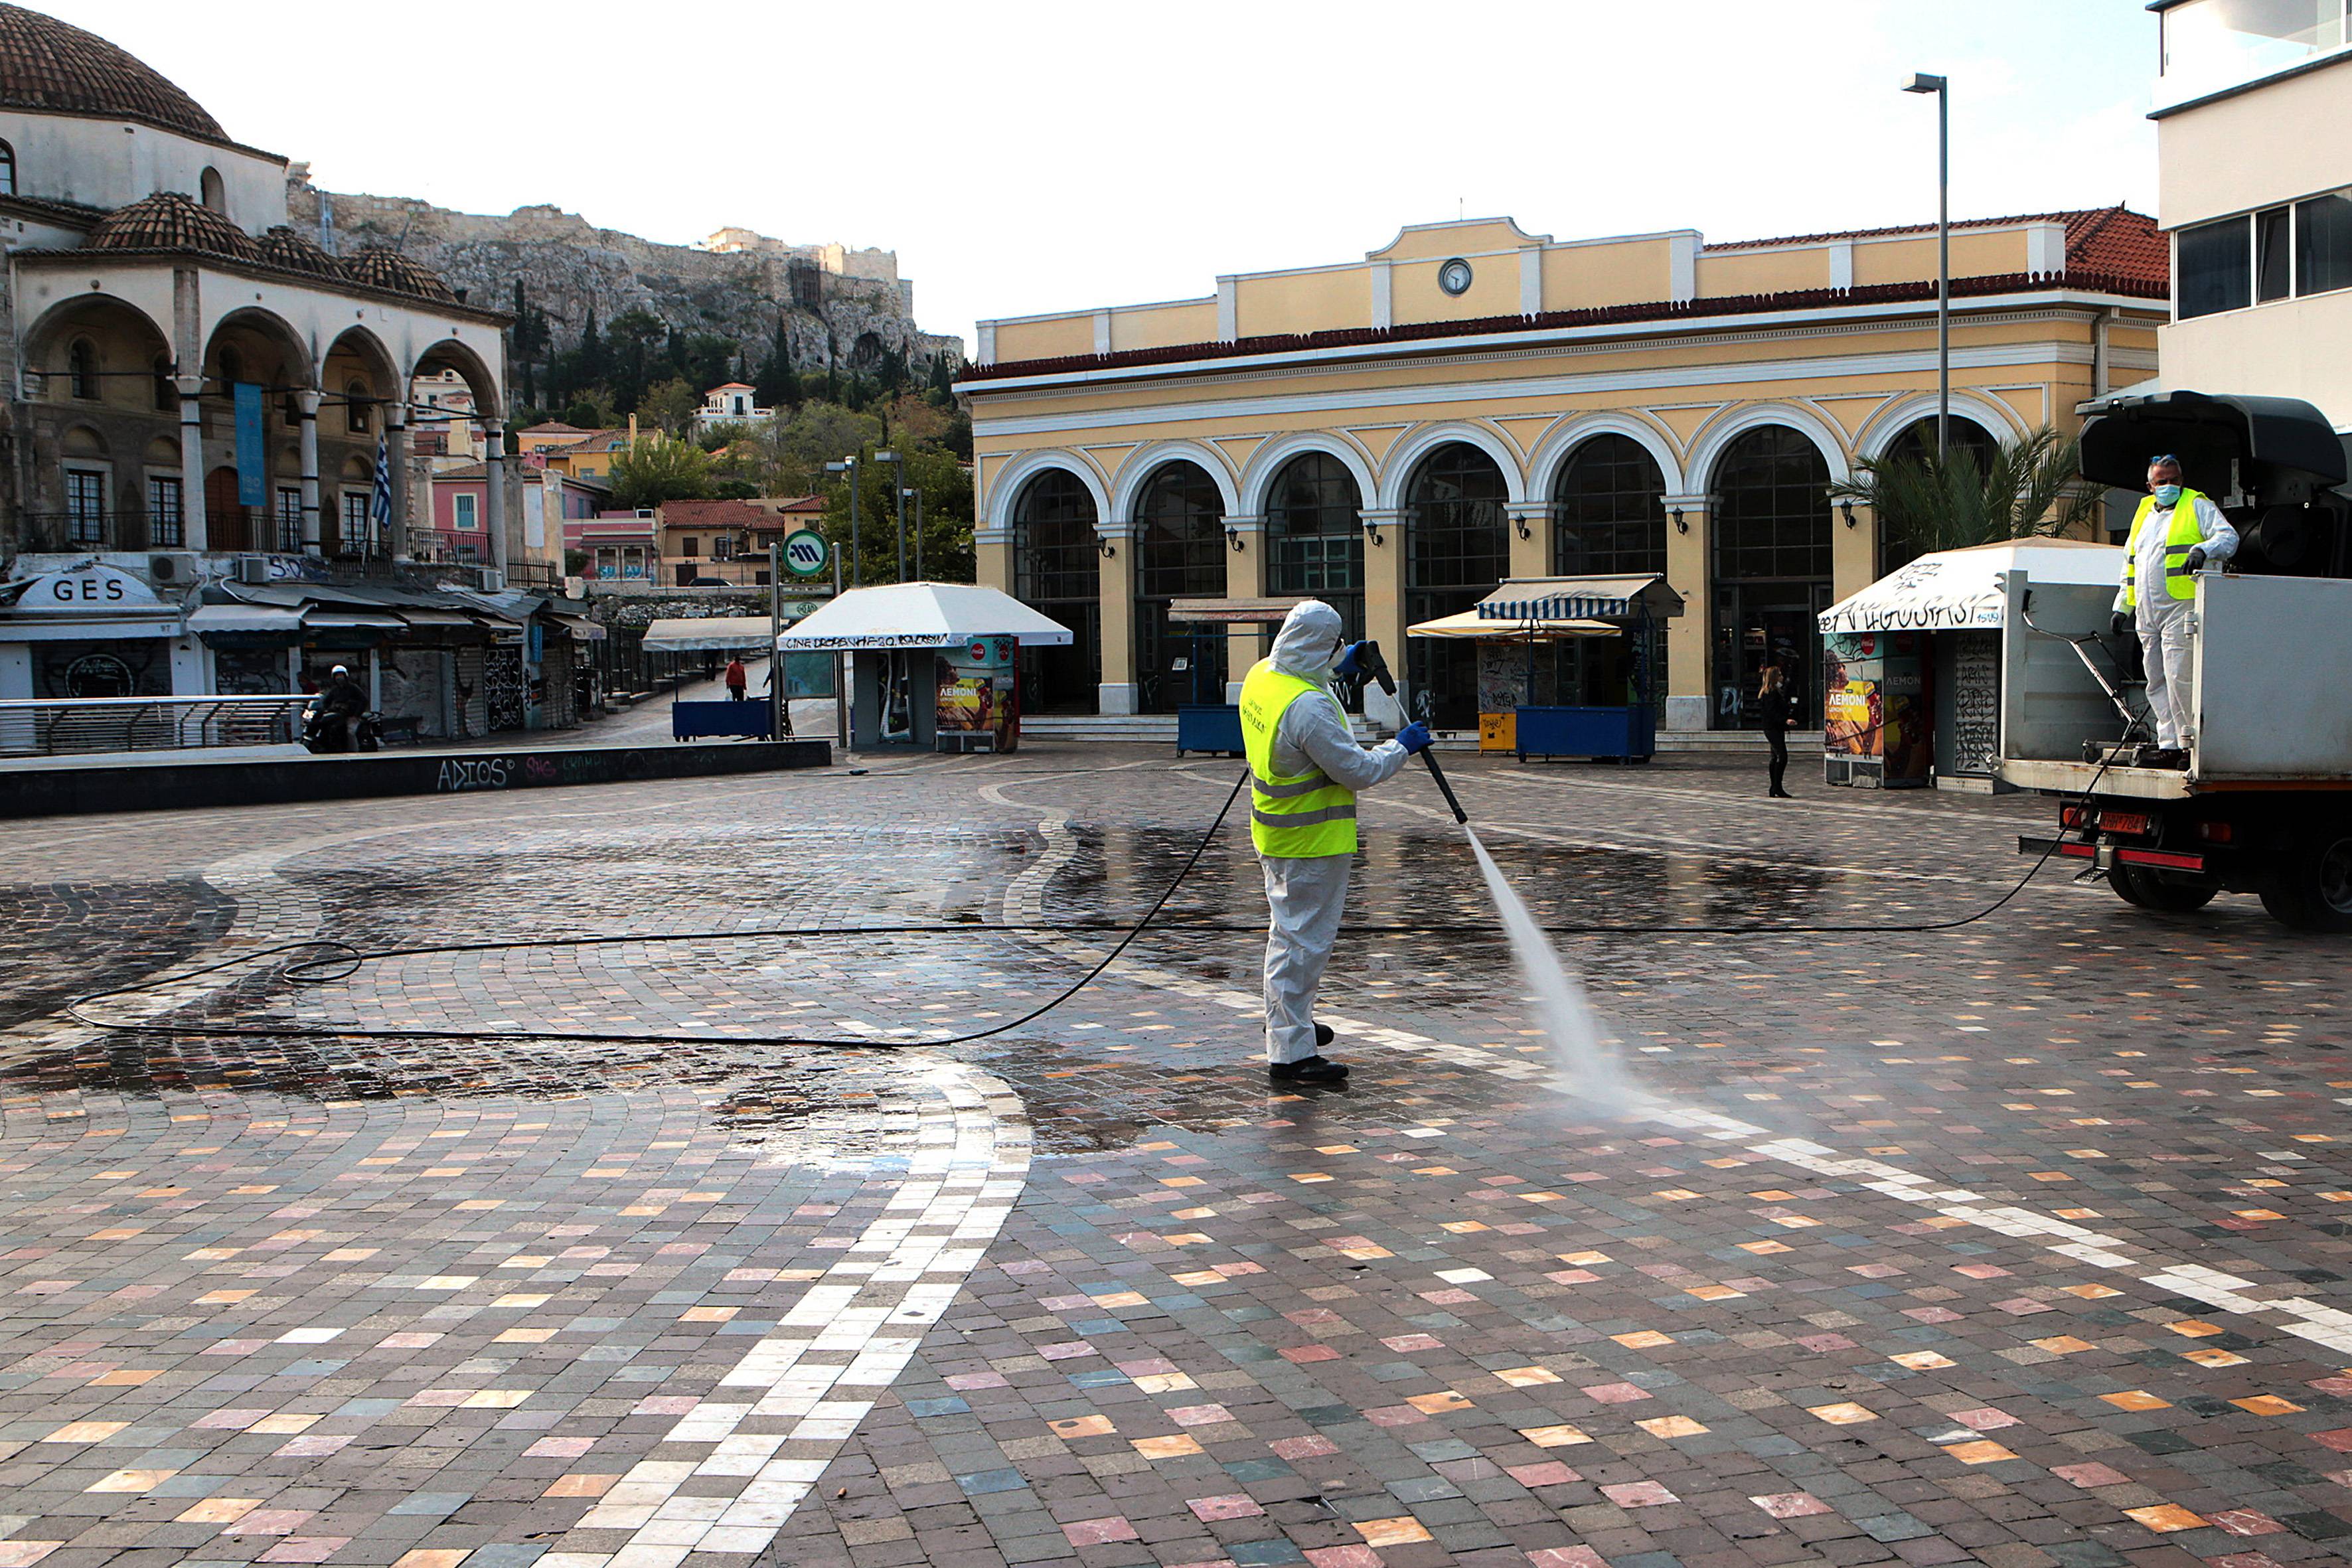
490 579
253 569
173 571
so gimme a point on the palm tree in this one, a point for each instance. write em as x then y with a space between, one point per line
2032 488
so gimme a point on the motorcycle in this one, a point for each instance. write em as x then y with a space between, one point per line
322 733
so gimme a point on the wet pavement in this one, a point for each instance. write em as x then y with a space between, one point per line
2022 1242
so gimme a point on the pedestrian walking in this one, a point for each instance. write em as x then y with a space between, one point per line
1772 705
736 678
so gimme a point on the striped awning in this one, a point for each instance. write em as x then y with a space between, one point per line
1619 597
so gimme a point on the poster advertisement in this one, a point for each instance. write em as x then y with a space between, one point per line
976 692
1877 712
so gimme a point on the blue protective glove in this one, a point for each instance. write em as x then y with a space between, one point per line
1415 737
1351 665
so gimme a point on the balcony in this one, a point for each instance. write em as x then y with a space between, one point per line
2212 46
65 532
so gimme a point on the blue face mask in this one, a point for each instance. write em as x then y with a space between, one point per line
2167 494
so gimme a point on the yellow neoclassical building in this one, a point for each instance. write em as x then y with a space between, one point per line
1471 402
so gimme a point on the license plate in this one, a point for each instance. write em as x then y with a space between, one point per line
2131 822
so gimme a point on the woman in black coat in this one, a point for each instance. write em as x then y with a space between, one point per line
1772 705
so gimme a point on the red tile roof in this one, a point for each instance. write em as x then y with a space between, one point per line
714 514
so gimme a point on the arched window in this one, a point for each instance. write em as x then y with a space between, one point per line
1966 439
356 419
210 192
81 369
1771 570
167 393
1608 509
1457 550
1179 552
1056 572
1315 535
7 170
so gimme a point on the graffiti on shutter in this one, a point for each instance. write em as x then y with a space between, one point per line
502 683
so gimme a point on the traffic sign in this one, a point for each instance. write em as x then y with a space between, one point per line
804 552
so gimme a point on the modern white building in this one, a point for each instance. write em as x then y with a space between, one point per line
2252 107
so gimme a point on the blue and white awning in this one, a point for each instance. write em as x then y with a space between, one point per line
1619 597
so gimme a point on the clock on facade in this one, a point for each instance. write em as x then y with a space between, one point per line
1454 276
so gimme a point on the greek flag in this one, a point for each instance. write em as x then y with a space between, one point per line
380 506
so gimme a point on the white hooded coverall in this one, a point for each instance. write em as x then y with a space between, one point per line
2167 626
1306 896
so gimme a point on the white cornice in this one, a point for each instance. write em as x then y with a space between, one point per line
1907 361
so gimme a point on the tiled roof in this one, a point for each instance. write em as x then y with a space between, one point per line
714 514
297 252
383 268
169 221
46 63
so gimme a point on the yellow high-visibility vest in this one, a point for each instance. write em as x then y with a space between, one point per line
1292 816
2182 537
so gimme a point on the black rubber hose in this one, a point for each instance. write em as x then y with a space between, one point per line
337 960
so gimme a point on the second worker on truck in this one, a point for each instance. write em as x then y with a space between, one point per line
1305 771
2175 534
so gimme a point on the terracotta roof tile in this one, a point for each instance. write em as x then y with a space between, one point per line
46 63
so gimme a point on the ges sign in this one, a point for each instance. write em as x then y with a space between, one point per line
91 588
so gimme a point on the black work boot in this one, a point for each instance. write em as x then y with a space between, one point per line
1312 1069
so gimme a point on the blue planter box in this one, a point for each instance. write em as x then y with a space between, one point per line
1625 734
1209 729
749 718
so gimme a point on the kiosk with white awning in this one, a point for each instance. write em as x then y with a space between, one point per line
962 694
1595 693
1912 678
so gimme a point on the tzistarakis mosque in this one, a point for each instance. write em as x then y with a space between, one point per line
1470 403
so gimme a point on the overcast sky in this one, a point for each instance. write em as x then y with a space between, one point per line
1032 155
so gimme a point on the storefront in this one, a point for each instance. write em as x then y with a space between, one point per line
93 631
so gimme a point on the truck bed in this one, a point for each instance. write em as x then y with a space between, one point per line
2149 783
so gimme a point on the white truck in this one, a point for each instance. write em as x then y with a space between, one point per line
2264 804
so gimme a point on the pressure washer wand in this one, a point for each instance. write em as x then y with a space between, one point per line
1378 669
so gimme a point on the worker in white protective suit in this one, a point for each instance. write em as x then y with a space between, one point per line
1305 771
2177 533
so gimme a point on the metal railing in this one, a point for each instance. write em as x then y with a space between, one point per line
49 727
63 533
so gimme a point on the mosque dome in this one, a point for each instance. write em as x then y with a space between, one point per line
297 252
53 65
169 221
379 267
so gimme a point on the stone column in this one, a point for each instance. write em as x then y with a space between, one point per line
1384 618
494 489
1689 637
1115 591
313 537
1244 579
1530 556
193 531
395 457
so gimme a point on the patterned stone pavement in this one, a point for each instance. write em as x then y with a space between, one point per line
2022 1243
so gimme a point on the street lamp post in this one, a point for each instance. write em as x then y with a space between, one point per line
857 565
916 491
1941 87
899 470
